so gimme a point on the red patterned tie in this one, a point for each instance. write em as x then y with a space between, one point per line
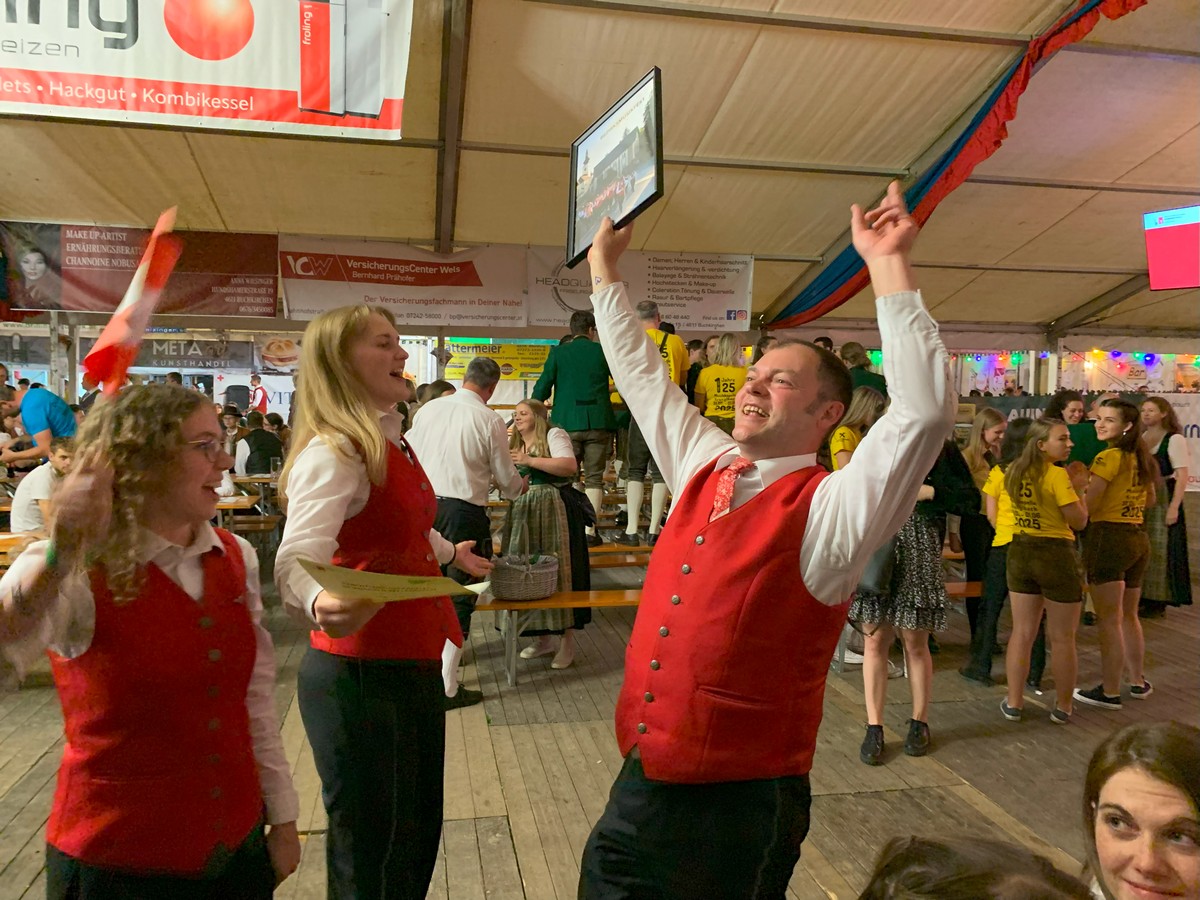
725 486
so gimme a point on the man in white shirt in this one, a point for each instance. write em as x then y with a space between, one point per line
725 670
463 447
31 503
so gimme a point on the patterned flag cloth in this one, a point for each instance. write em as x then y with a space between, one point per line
117 347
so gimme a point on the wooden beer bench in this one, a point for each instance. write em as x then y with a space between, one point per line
609 599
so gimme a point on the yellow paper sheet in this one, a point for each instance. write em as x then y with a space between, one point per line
353 584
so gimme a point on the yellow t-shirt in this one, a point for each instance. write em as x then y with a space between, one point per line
1040 514
1125 497
674 354
994 487
843 438
719 385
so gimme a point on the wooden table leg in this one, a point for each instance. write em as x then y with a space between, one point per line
510 648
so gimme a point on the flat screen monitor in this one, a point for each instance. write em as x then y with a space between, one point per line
1173 248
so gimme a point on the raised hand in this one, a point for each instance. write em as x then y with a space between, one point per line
886 230
606 250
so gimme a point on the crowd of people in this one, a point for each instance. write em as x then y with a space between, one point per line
713 798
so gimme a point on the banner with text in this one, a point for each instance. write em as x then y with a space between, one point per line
86 268
694 291
518 362
482 286
305 67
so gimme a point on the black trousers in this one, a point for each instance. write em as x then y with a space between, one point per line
245 875
991 604
457 520
658 841
976 534
378 735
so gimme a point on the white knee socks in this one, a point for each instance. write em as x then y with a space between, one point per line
451 656
596 495
658 505
633 504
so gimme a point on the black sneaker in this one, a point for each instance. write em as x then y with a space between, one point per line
629 540
1141 691
464 697
917 742
934 647
1013 714
1088 618
978 677
872 746
1096 697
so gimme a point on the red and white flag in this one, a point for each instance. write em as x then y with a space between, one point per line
118 345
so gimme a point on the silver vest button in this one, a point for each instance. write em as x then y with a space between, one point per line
675 599
641 727
654 664
649 697
699 539
686 569
664 631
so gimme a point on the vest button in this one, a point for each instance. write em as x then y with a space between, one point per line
641 727
206 622
428 557
214 655
213 691
675 599
215 793
649 697
654 664
214 724
664 631
686 569
214 758
424 486
699 539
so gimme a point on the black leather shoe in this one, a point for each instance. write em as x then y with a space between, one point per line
978 677
652 539
594 540
934 647
622 518
464 697
917 742
629 540
871 751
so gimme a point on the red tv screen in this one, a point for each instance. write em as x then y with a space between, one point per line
1173 248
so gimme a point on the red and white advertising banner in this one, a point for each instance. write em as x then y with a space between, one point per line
481 286
335 67
88 268
694 291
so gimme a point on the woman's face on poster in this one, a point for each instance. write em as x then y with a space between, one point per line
33 265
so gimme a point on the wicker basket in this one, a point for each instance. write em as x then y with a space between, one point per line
524 577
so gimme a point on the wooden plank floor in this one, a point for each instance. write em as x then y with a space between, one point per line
528 771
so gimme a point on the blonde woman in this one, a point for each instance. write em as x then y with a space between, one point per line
866 406
549 518
981 453
173 782
1043 570
370 686
720 381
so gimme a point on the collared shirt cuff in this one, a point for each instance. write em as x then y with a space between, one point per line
282 807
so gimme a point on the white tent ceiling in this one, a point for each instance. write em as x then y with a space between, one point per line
778 114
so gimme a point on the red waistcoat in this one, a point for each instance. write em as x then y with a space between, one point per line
158 771
389 535
725 672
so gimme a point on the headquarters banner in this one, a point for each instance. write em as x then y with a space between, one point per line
694 291
86 268
332 68
482 286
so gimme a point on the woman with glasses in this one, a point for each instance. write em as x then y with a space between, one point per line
370 686
173 782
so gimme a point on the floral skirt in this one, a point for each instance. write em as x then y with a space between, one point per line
917 596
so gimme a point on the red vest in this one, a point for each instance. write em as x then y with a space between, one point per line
158 771
725 672
389 535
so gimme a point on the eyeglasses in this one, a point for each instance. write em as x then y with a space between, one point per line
210 447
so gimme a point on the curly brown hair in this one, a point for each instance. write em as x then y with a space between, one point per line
136 433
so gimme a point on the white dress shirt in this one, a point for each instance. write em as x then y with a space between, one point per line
463 447
855 509
68 625
327 485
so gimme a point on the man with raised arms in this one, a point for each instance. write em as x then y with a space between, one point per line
749 584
